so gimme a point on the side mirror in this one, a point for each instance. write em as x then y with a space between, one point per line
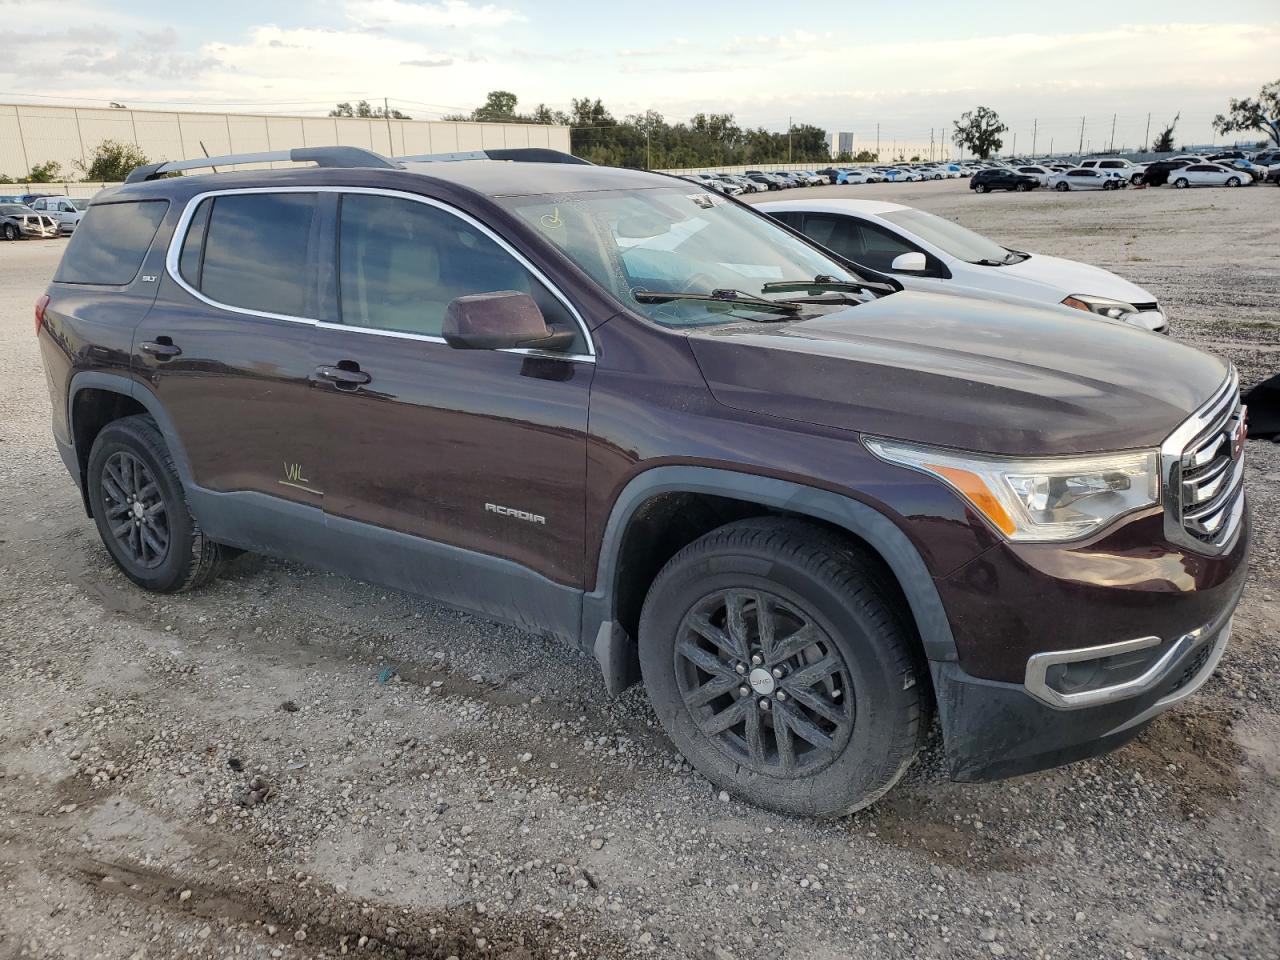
913 262
499 321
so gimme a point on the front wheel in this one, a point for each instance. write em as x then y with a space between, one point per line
1062 187
1024 187
1233 182
141 511
10 232
1182 183
783 667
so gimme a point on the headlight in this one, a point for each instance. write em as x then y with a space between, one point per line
1038 500
1102 306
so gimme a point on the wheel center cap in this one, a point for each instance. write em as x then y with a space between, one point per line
761 681
138 509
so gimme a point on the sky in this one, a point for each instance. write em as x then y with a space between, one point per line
909 67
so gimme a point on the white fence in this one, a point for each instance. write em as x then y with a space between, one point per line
67 189
33 134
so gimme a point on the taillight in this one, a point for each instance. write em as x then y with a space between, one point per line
41 303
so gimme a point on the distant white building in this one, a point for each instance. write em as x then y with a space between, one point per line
841 143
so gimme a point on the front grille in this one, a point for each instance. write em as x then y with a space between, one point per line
1192 667
1207 477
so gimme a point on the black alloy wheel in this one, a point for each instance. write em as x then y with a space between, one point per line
764 682
135 510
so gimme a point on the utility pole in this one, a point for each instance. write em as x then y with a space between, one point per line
1112 148
648 161
1013 148
1035 127
788 140
1051 146
877 141
1080 149
386 113
1146 141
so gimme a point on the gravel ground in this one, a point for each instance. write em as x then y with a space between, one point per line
290 764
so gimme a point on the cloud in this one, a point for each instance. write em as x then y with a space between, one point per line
449 13
441 61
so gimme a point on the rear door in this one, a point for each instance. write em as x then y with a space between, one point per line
456 473
227 350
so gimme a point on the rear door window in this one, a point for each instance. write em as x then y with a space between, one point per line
256 252
111 241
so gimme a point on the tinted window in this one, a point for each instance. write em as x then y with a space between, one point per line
110 242
193 245
255 251
401 262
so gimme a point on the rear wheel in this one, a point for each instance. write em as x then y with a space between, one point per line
1062 186
141 510
783 667
10 232
982 188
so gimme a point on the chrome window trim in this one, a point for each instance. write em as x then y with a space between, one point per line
174 253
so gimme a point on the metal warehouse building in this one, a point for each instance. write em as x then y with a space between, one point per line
32 134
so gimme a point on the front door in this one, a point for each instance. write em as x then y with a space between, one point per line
228 353
454 473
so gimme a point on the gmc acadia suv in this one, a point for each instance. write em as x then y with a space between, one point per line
806 507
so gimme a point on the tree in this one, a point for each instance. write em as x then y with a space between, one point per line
111 161
365 111
866 156
5 178
499 105
1164 142
1262 113
48 172
979 131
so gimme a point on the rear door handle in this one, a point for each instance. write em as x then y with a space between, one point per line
162 349
343 376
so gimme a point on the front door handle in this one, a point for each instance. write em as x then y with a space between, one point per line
343 376
162 348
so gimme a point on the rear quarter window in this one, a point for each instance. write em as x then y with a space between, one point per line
111 241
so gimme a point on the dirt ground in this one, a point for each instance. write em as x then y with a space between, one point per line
290 764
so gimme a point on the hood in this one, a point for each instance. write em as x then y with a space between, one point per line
1066 277
979 375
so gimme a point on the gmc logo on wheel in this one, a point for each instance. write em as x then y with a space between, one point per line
513 512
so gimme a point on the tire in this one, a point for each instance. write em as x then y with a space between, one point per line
1136 180
982 188
1106 185
1024 187
1181 183
131 473
1062 186
10 232
862 719
1233 181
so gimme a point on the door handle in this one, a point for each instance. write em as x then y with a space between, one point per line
343 376
162 348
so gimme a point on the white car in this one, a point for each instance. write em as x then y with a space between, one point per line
1035 170
861 175
927 252
1081 178
1116 165
63 209
1209 175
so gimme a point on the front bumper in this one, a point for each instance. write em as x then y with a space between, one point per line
29 230
995 730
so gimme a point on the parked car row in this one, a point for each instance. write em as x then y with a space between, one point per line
30 214
1230 169
759 181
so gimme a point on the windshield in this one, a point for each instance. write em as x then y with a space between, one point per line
14 210
671 240
951 238
79 204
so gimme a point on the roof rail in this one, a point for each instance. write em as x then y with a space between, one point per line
320 156
518 154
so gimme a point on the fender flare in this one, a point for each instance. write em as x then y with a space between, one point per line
119 383
613 648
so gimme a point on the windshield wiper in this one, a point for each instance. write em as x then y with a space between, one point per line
816 285
729 298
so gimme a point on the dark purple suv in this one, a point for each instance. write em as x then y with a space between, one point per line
809 509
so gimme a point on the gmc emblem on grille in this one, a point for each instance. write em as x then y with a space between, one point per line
1239 433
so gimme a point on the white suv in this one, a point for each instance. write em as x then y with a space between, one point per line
1115 166
63 209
